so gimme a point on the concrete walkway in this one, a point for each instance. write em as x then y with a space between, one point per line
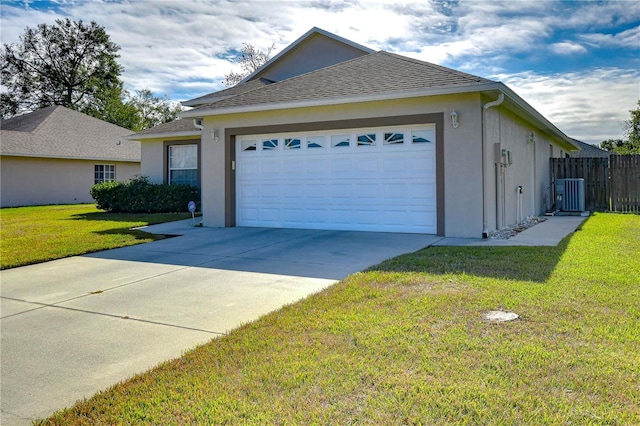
75 326
547 233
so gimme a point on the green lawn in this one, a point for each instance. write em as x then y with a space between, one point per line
36 234
406 343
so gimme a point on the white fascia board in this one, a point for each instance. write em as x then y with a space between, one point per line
338 101
137 137
300 40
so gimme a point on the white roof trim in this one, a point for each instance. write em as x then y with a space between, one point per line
137 137
476 87
314 30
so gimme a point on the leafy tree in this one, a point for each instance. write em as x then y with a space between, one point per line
631 143
68 63
153 110
250 59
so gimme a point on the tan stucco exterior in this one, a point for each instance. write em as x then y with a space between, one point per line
28 181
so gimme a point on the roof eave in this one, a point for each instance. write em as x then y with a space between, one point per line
531 112
69 157
449 90
138 137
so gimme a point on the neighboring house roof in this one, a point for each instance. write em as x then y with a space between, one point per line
373 74
59 132
587 150
176 128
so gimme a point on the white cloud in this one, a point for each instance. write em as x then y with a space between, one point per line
629 38
590 106
567 48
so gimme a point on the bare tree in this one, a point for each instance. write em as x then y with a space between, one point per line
250 59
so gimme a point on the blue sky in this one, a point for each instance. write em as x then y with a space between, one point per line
576 62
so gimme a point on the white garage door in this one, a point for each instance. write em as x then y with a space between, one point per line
381 179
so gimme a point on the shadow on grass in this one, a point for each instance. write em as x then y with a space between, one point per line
136 233
520 263
148 218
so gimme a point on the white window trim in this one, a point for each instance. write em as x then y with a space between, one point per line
104 172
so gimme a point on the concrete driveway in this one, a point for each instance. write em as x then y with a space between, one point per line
76 326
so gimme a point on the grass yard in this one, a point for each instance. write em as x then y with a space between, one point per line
406 343
36 234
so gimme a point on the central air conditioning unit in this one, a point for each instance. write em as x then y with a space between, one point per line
570 195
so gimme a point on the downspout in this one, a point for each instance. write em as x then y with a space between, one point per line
485 229
197 122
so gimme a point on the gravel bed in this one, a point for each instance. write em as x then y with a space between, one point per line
512 230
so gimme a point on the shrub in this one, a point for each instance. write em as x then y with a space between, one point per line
141 196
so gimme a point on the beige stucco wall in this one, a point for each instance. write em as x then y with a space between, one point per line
462 151
152 156
530 169
38 181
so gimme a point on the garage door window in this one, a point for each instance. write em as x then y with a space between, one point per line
248 145
292 143
422 136
393 138
315 142
368 139
183 165
340 141
270 144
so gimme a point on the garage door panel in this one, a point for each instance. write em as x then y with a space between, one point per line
368 188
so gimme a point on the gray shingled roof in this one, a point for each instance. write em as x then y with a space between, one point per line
177 126
372 74
59 132
231 91
588 151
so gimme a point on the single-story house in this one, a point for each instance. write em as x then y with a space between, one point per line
54 155
329 134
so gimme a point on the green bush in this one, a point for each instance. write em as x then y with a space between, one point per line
141 196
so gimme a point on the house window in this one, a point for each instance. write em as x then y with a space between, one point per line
104 173
183 165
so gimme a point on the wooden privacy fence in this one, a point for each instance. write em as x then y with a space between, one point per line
610 183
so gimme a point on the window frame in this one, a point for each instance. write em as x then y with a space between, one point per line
103 178
166 159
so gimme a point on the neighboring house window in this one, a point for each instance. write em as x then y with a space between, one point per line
183 165
104 173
